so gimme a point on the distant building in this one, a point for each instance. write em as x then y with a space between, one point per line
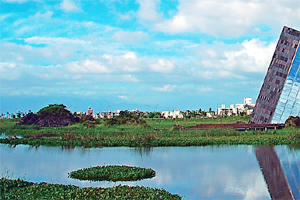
246 108
210 114
172 114
90 111
279 95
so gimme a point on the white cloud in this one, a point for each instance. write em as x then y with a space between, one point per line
148 10
15 1
162 65
179 23
123 97
46 15
254 57
165 88
230 18
4 16
8 71
130 55
128 62
205 89
126 16
58 53
54 41
87 66
69 6
223 59
130 78
130 37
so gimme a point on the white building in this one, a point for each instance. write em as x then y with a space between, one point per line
226 111
172 114
246 107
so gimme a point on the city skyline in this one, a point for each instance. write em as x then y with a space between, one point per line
151 55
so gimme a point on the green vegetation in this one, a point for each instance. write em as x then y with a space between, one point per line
125 118
20 189
159 132
112 173
52 109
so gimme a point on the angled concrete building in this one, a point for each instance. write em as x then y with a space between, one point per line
279 96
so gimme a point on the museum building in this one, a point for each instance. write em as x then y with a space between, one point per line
279 95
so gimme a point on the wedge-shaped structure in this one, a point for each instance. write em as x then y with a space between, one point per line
279 96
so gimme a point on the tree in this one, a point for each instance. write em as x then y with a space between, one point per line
19 114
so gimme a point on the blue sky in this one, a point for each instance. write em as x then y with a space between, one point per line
145 54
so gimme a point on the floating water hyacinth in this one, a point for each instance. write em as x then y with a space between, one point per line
20 189
112 173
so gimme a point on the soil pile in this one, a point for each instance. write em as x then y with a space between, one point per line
293 121
51 116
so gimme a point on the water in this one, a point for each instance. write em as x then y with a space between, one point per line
210 172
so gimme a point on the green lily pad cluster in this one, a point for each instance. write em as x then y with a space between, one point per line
20 189
112 173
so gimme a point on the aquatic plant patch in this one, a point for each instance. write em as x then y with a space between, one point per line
112 173
20 189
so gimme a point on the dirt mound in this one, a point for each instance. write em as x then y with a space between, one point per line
293 121
51 116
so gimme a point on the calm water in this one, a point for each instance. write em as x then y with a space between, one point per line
211 172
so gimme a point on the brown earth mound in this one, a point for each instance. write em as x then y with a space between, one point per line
52 116
293 121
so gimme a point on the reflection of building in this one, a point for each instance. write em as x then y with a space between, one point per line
279 95
281 184
273 173
245 108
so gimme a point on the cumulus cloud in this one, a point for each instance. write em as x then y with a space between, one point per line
130 37
123 97
87 66
5 16
229 18
162 65
130 78
54 40
253 57
148 10
69 6
15 1
25 54
46 15
165 88
130 55
249 56
8 71
128 62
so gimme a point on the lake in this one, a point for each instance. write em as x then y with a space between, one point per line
208 172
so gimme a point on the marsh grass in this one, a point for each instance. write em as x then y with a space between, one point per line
158 133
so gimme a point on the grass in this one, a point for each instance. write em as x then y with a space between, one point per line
112 173
20 189
159 132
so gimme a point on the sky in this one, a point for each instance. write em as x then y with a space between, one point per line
150 55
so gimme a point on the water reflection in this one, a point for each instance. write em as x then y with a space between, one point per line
290 162
143 151
273 173
210 172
